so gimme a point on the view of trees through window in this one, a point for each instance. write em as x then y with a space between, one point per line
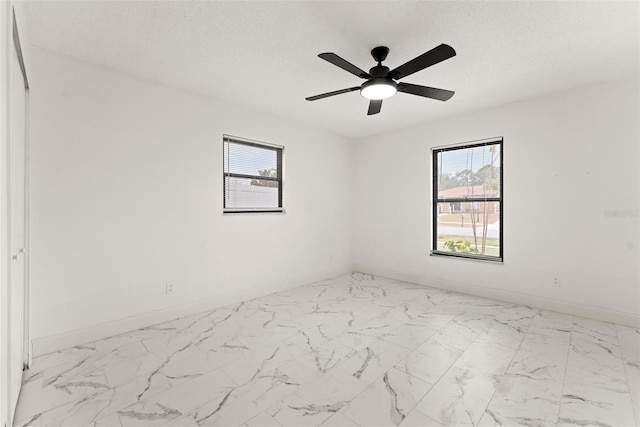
252 176
269 173
467 199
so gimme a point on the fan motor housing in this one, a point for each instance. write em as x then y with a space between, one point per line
379 71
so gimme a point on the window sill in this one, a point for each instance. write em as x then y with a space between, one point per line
252 211
481 258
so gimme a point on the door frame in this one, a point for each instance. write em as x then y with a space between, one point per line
10 40
26 341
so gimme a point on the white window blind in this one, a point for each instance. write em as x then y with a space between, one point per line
252 176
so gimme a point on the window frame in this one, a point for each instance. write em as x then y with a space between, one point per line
435 200
279 179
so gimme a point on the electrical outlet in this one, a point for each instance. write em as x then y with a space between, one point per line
556 282
169 288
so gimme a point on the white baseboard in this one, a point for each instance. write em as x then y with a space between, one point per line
81 336
77 337
622 318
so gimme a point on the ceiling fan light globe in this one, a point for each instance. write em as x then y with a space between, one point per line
378 89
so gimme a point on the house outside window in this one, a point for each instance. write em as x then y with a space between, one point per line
467 200
252 176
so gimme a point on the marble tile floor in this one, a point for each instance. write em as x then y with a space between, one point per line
352 351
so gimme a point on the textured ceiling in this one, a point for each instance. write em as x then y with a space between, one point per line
263 54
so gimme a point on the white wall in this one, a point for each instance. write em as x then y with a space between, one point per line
568 158
127 195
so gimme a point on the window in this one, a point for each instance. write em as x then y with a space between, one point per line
467 200
252 176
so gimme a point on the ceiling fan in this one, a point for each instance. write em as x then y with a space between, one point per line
382 83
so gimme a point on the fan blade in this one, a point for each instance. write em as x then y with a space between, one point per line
374 106
428 92
344 64
335 92
427 59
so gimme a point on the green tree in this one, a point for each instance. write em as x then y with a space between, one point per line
487 176
446 182
466 178
271 173
491 182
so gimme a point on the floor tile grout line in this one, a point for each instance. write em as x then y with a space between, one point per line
32 370
144 374
97 352
626 375
96 393
503 375
566 367
41 413
431 418
377 379
395 364
458 358
443 374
